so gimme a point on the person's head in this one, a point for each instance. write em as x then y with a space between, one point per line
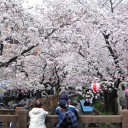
37 103
64 96
63 105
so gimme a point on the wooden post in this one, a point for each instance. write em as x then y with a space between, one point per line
22 118
124 114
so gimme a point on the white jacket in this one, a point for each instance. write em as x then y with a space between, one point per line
37 118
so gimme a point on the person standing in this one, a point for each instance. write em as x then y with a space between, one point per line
37 115
68 119
64 97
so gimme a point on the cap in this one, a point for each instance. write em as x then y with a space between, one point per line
63 104
64 96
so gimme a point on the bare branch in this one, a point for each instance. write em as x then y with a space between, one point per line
117 4
29 49
46 37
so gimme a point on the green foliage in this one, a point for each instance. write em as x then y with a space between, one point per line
79 98
103 126
116 125
99 106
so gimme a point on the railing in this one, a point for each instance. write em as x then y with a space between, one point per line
122 118
21 118
7 111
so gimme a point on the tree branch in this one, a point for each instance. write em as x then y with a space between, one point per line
117 4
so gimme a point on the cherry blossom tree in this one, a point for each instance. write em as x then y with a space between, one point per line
62 43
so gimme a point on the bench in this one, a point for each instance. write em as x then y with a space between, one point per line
86 109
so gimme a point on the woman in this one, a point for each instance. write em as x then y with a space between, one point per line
37 115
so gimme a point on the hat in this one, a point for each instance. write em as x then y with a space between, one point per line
63 104
64 96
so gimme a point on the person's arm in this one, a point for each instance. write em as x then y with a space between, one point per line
77 110
76 113
46 112
56 111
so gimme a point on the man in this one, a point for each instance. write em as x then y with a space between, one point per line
64 97
68 119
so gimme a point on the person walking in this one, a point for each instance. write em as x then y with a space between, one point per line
37 115
68 119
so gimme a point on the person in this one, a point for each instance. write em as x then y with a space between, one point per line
37 115
64 97
87 102
88 99
68 119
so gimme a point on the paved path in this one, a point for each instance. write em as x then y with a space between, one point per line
80 113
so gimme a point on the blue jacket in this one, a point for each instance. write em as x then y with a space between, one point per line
70 107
